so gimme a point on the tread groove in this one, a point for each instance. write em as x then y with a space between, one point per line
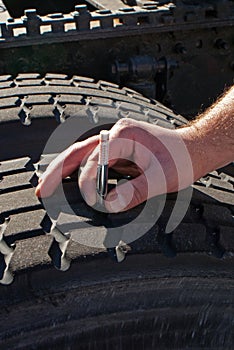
56 97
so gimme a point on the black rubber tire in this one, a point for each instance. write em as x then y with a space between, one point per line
148 301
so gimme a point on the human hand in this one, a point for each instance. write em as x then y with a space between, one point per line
159 160
156 158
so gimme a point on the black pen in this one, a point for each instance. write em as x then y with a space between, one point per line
102 168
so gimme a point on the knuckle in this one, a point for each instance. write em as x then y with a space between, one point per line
124 126
125 123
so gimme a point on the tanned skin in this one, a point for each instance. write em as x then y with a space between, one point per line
160 160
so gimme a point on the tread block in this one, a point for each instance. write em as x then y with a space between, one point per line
193 213
77 79
104 83
189 237
64 99
227 177
207 194
141 98
227 237
131 92
128 106
88 85
115 90
76 250
29 82
222 184
160 122
6 84
8 115
35 90
131 114
24 223
147 243
31 252
37 99
51 76
18 201
100 101
217 215
8 102
5 78
58 82
14 165
45 160
42 111
83 213
9 182
29 76
228 171
71 110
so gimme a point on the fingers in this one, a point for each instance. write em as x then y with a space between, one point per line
127 195
123 150
65 164
87 182
69 160
132 193
87 177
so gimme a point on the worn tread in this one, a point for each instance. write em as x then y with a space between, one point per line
38 101
26 220
75 86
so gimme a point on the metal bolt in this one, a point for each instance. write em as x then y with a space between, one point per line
179 48
81 8
30 14
221 44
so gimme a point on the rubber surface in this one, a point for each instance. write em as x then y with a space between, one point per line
30 109
27 99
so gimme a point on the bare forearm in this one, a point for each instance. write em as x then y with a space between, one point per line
210 138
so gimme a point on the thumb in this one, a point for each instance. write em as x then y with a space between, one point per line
132 193
127 194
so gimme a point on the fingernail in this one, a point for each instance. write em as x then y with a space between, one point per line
37 191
